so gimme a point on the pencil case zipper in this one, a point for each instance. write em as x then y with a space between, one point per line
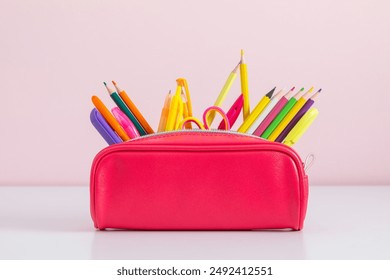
116 147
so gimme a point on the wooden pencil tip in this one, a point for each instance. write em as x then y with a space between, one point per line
104 83
319 90
236 68
292 89
242 61
113 82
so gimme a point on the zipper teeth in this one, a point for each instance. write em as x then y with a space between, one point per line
196 131
212 130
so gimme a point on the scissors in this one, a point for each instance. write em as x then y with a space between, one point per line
205 125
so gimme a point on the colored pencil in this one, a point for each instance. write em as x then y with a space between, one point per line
173 110
134 110
297 117
119 102
274 112
110 118
257 111
290 115
222 95
286 108
244 86
274 100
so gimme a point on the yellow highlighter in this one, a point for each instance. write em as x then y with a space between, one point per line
173 109
257 111
183 83
185 105
290 115
188 104
180 113
300 128
185 109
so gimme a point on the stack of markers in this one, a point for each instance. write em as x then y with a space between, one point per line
279 116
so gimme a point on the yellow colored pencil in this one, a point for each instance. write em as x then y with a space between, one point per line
173 109
164 113
290 115
222 95
257 111
244 86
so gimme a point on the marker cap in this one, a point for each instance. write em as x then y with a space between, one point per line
301 127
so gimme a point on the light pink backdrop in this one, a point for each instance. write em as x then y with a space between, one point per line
55 54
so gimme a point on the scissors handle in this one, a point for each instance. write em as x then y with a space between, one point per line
191 120
218 110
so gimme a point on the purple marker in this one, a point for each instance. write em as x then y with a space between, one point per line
297 117
104 128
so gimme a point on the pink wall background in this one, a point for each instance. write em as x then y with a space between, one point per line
55 54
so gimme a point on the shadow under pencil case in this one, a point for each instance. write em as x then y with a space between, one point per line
198 180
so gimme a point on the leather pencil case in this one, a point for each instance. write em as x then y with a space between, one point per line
198 180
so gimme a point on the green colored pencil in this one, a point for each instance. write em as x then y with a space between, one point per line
119 102
281 114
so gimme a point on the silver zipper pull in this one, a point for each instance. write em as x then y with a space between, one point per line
309 161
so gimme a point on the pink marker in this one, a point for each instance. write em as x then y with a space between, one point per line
124 121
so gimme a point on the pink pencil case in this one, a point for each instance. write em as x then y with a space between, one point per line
198 180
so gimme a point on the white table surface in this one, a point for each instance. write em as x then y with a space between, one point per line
54 223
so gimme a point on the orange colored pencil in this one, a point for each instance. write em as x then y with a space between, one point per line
137 114
110 118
